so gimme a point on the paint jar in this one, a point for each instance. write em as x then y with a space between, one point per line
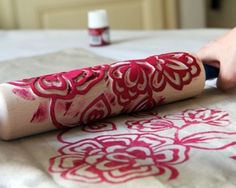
98 28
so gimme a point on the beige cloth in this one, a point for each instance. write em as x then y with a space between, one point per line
186 144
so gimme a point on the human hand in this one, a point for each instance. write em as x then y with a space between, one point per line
221 53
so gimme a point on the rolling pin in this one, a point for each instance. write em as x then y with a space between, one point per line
66 99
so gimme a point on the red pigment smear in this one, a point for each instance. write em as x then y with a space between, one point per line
111 98
233 157
24 94
41 114
68 105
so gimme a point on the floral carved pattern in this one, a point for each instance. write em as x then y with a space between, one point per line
155 145
89 94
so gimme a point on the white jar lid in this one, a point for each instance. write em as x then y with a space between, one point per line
97 19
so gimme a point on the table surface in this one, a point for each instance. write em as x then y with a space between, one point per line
203 156
125 44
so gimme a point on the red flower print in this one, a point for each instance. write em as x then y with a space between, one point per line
97 109
118 158
150 125
134 79
64 85
211 140
61 89
89 94
208 116
176 69
155 145
130 79
84 79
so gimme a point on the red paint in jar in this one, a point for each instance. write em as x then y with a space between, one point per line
98 28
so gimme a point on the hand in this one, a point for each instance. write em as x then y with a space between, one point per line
221 53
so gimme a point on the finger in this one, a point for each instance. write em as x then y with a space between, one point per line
213 63
224 86
225 81
209 52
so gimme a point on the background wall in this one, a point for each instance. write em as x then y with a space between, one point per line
221 14
192 13
72 14
123 14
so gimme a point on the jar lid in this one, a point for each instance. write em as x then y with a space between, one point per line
97 19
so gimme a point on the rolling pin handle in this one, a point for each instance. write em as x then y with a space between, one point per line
211 72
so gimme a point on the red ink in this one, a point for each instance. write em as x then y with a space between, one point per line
119 158
67 107
41 114
98 28
150 125
99 127
131 87
210 116
111 98
175 69
233 157
97 109
24 94
155 145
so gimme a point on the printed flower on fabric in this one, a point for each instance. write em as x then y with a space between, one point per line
204 129
208 116
150 125
118 158
183 124
155 146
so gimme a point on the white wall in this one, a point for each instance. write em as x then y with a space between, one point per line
192 13
72 14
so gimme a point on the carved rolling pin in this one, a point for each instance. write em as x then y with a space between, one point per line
67 99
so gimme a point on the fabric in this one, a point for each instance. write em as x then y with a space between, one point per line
186 144
124 44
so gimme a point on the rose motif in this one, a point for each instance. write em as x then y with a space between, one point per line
84 79
118 158
132 84
142 77
64 85
176 69
61 89
97 109
205 115
130 79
